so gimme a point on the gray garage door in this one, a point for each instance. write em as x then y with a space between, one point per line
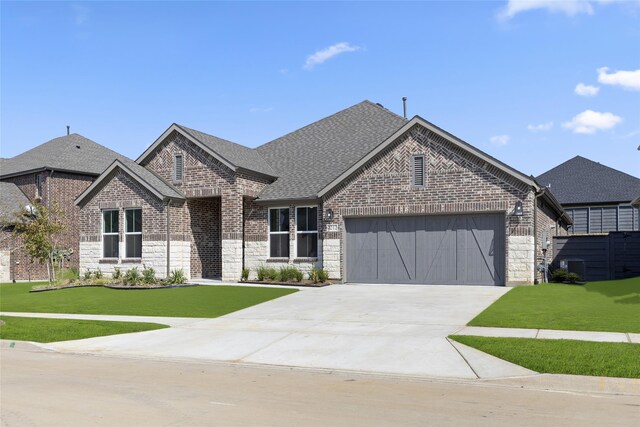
451 250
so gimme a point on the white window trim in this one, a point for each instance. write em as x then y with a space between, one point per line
175 168
295 225
109 234
277 232
132 233
39 186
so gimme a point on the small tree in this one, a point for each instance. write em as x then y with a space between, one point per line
38 229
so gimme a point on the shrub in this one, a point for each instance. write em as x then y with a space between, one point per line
318 275
288 274
149 275
245 275
66 276
267 274
177 277
117 274
132 277
97 274
573 278
88 275
559 275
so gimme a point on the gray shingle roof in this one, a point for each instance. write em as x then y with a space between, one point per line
70 153
142 175
236 154
310 158
583 181
12 199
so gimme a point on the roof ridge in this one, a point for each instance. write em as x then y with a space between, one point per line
366 101
187 129
385 109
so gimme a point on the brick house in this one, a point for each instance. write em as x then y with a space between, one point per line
365 194
56 171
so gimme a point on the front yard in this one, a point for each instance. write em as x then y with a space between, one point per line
196 301
612 306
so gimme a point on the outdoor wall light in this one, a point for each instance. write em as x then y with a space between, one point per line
517 211
328 215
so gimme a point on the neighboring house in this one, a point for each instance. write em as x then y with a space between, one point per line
598 198
12 199
56 171
365 194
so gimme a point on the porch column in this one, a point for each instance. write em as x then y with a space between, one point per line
231 212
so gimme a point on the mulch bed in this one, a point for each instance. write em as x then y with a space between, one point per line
114 286
296 284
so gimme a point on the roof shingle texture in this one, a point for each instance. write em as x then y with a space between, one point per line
236 154
71 153
309 159
583 181
12 199
152 179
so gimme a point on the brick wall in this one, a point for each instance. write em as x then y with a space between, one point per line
456 182
63 189
546 222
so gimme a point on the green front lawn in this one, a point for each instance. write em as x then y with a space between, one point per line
52 330
197 301
612 306
601 359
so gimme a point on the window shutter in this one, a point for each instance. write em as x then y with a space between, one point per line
178 167
418 171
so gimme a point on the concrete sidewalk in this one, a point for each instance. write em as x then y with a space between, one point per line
170 321
551 334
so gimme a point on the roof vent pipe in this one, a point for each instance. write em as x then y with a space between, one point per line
404 106
69 127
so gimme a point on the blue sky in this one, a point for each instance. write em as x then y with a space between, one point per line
532 84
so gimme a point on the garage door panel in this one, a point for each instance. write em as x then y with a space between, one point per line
454 249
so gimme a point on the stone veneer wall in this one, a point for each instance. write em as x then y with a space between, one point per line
456 182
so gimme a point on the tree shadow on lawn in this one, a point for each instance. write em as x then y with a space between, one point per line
624 291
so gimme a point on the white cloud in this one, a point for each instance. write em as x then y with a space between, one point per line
500 140
260 110
542 127
586 90
626 79
589 122
325 54
568 7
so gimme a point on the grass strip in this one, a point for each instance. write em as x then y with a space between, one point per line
53 330
572 357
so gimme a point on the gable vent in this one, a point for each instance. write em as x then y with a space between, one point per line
178 167
418 171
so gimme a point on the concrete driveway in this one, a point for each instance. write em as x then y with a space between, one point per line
374 328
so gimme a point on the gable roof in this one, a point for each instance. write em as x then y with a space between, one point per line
232 155
12 199
417 120
583 181
143 176
308 159
70 153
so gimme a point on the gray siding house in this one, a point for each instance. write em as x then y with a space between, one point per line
597 198
364 193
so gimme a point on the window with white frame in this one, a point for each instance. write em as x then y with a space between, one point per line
307 232
133 233
110 233
38 186
178 167
279 233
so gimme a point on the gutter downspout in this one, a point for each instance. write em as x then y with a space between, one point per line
535 236
168 238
